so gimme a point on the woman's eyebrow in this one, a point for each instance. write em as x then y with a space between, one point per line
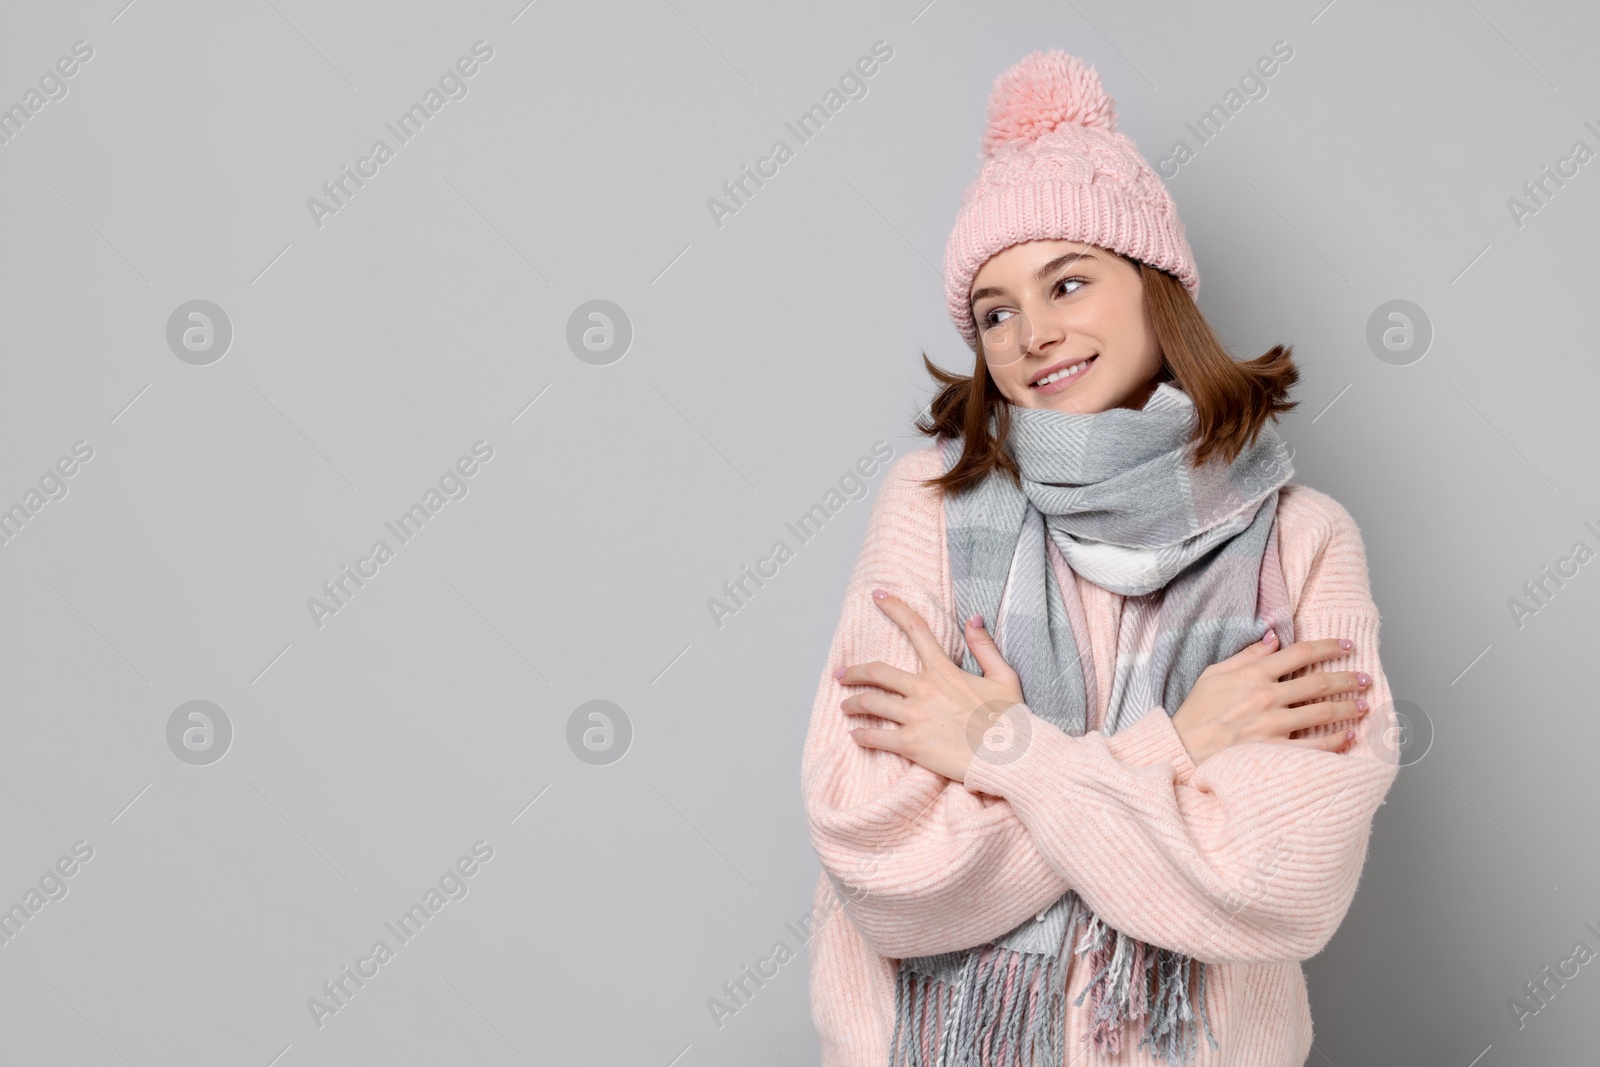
1040 275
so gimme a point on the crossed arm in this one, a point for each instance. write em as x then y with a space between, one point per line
1251 857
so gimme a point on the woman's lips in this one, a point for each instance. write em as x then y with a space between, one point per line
1064 383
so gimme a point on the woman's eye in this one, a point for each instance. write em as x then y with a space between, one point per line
990 320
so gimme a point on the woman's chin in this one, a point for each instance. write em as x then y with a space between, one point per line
1084 403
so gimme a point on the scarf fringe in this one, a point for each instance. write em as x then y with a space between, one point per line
1120 991
1007 1008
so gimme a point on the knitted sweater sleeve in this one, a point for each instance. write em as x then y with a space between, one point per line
920 863
1254 855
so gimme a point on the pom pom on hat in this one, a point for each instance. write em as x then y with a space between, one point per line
1041 92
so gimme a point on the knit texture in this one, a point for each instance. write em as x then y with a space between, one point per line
1056 168
1248 862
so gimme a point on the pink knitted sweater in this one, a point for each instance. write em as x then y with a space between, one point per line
1248 862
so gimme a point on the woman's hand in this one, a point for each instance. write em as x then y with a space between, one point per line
942 711
1240 699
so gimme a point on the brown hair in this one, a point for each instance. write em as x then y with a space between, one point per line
1232 398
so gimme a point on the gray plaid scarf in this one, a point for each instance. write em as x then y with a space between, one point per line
1195 554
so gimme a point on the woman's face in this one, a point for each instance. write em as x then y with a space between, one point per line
1044 306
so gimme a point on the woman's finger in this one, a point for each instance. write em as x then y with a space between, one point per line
884 740
987 653
878 673
1320 713
913 626
1325 742
873 702
1256 649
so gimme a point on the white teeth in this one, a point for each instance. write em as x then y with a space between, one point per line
1076 368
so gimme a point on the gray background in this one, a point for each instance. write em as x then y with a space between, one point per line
768 355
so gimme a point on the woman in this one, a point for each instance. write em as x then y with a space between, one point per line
1111 836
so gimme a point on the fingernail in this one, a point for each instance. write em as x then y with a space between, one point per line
1346 644
976 621
1363 678
1361 704
839 673
1272 635
878 594
1349 735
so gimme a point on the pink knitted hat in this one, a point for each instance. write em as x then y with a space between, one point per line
1055 168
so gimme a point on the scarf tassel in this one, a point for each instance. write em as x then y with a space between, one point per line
1013 1016
1012 1019
1120 991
